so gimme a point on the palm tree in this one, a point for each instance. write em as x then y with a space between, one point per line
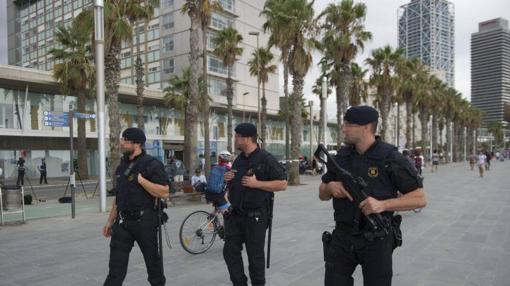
344 35
359 85
276 24
227 48
140 13
496 129
383 64
300 16
75 74
192 8
177 94
260 66
206 8
411 74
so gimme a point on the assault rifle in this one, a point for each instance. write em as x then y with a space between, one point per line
355 186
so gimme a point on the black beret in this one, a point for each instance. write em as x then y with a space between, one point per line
135 135
361 115
246 130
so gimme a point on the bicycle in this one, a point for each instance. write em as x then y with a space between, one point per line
199 229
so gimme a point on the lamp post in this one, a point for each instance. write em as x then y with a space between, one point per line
311 129
255 33
244 103
99 43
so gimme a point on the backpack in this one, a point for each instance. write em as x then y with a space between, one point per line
216 182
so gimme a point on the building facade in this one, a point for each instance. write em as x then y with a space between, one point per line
426 31
26 94
163 43
490 70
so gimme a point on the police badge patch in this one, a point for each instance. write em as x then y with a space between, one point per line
373 172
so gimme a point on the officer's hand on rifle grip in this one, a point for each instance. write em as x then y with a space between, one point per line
371 205
337 190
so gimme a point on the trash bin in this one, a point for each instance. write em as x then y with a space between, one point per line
11 197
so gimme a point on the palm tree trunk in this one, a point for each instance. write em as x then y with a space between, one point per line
139 84
296 129
448 141
82 137
112 79
190 158
339 117
206 107
385 107
434 131
409 119
413 131
424 118
263 127
287 100
441 145
229 108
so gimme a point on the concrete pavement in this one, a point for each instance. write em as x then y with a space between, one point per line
461 238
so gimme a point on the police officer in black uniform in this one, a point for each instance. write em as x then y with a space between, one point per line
141 181
387 172
255 176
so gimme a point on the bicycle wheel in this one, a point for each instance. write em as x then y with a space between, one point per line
197 232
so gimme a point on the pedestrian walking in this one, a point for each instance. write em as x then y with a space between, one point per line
481 162
418 162
141 182
488 158
43 171
254 177
472 161
21 172
435 161
386 172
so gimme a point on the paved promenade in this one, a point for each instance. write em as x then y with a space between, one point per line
461 238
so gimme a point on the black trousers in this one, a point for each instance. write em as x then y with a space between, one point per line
43 177
347 250
144 231
250 229
21 178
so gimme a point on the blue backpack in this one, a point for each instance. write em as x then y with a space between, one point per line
216 182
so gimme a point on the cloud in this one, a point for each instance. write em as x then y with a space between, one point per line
382 22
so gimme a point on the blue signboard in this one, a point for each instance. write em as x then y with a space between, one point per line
56 119
84 115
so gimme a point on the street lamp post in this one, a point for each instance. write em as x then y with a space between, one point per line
244 103
311 129
255 33
99 49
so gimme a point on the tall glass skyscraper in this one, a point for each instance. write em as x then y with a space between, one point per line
490 70
426 31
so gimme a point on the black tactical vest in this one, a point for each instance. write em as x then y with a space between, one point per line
373 167
130 194
248 198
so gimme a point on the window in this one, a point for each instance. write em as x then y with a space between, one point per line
168 43
221 22
210 42
216 86
168 65
227 5
153 56
215 65
168 21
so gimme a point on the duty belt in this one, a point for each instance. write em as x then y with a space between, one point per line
130 215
